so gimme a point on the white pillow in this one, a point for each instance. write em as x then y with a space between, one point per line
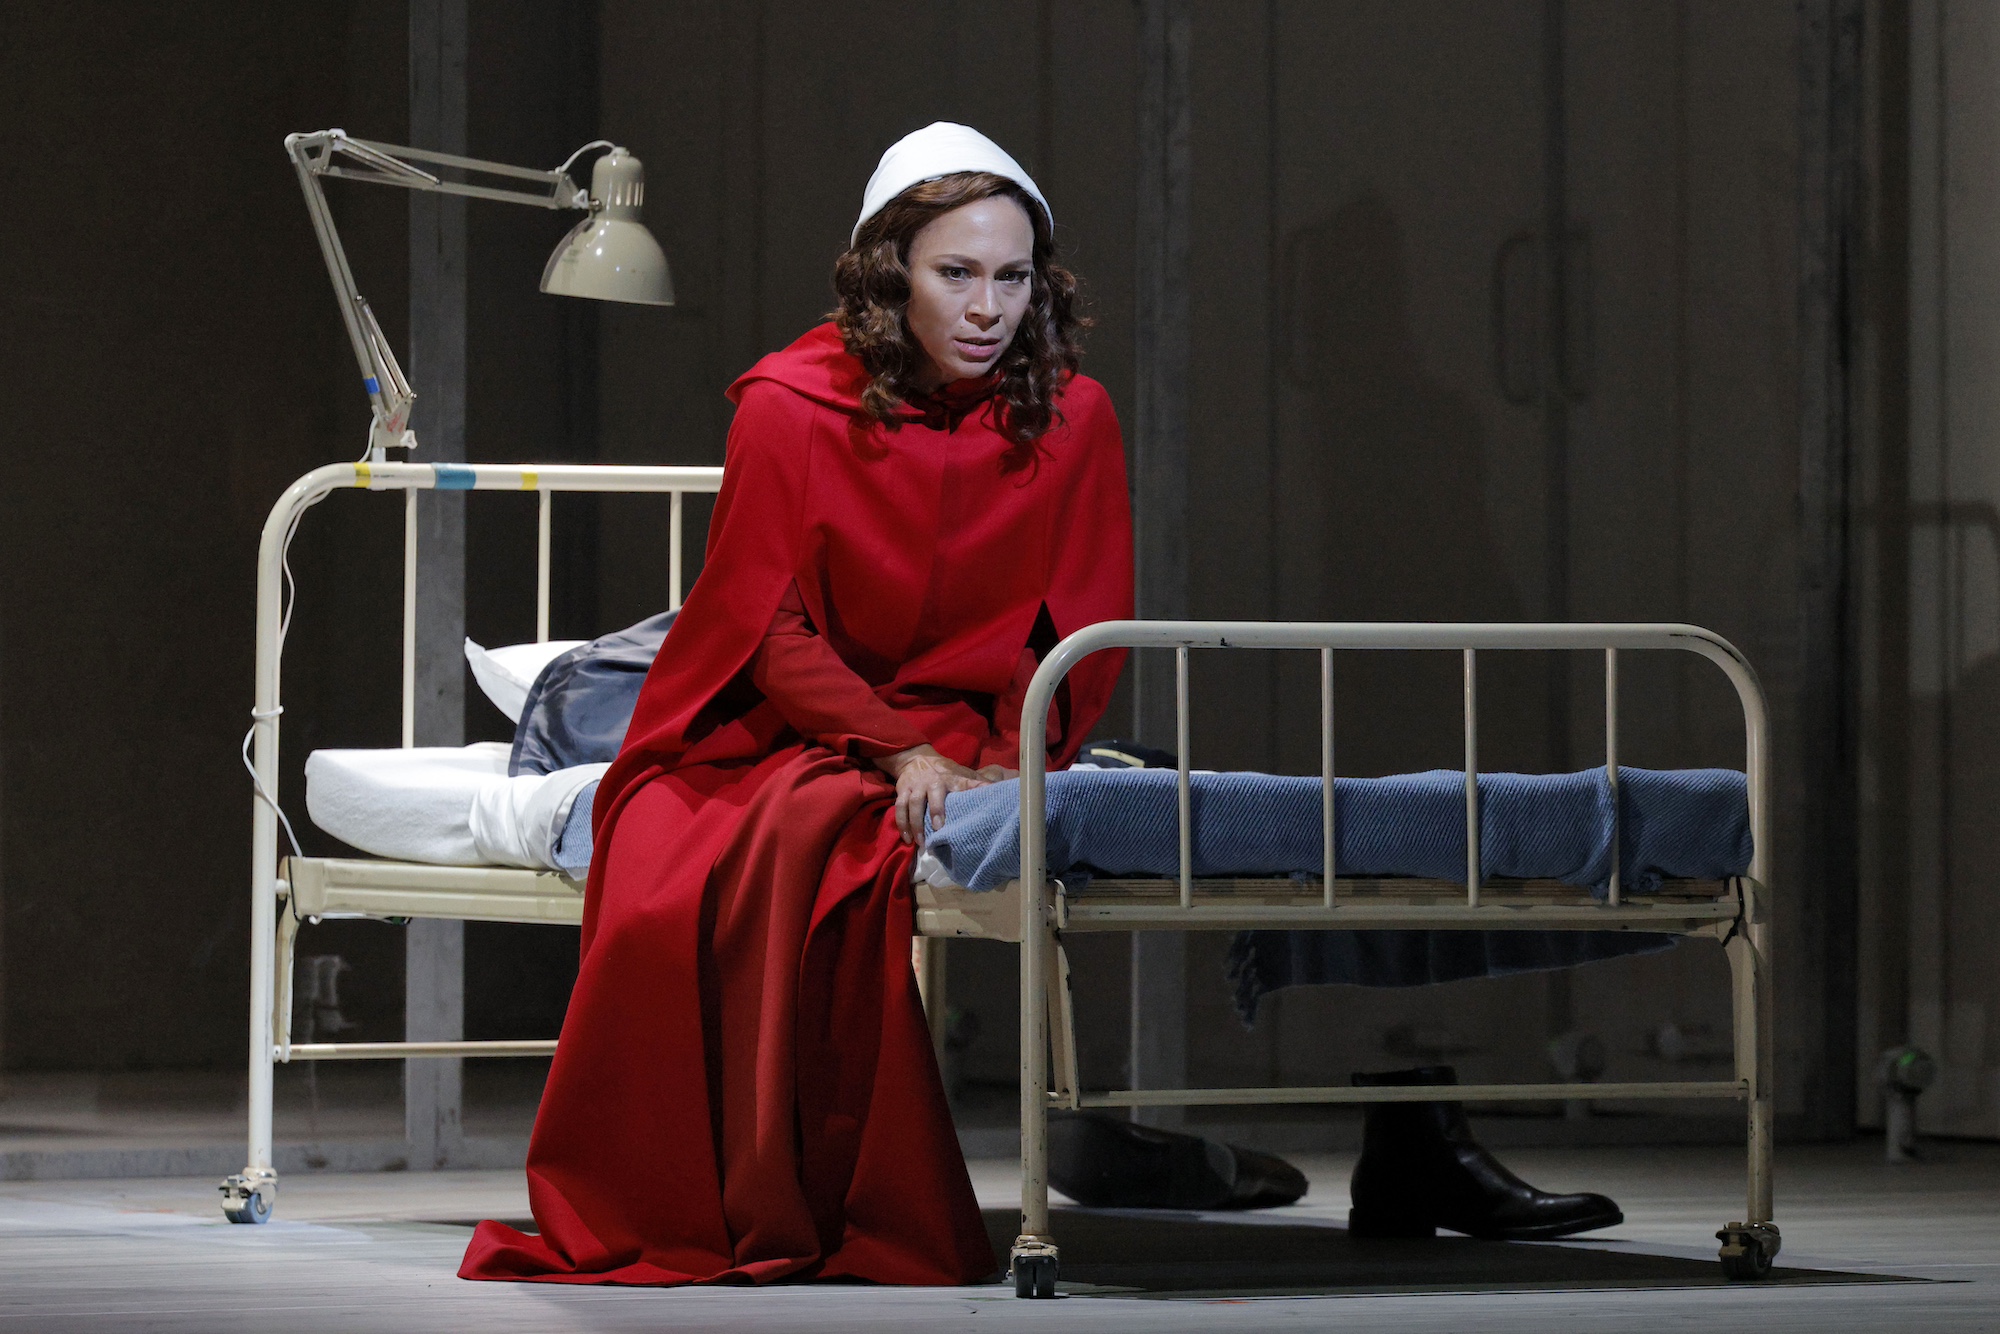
507 674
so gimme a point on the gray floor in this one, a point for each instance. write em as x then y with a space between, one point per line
347 1117
1870 1248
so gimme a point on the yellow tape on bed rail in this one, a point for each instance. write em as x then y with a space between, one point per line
362 475
530 480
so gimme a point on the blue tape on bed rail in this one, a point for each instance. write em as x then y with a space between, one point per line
451 477
372 385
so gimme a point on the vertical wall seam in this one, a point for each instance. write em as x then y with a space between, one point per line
1829 140
434 951
1555 406
1274 302
1683 351
1948 600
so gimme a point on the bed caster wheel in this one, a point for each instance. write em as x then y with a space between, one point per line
1033 1266
1748 1249
248 1201
252 1208
1035 1276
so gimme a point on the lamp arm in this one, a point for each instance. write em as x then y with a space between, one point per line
389 394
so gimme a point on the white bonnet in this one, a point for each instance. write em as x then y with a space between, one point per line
939 149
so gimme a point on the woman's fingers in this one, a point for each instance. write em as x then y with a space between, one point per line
921 789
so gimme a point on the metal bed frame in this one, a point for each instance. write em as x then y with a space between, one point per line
1738 912
1025 912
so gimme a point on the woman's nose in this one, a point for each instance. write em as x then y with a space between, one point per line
984 308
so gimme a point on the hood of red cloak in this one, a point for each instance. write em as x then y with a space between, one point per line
819 367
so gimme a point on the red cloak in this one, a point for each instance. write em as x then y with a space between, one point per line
745 1089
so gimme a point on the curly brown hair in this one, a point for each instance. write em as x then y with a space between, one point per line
872 279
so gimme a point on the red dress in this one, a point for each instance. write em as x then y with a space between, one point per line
745 1090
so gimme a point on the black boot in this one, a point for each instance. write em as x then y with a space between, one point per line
1108 1164
1421 1170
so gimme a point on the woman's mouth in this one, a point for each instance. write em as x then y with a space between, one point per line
977 350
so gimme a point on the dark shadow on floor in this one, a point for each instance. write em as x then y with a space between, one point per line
1126 1253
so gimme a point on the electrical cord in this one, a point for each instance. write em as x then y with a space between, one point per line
563 170
262 795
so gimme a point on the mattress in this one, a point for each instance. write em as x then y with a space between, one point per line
458 807
1678 824
450 805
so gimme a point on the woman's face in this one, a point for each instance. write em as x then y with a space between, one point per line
971 273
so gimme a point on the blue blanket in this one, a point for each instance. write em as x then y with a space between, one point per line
1688 823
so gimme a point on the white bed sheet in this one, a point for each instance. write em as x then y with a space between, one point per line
447 805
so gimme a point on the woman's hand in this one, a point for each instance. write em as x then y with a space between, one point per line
923 779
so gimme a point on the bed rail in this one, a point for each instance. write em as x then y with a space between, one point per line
1743 919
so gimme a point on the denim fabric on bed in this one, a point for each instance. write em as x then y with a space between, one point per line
1684 823
580 705
572 845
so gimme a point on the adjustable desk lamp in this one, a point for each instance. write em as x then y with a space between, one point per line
609 256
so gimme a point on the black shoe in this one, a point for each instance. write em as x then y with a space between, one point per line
1107 1164
1421 1170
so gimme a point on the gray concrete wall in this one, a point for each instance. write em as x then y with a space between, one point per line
1363 175
1932 558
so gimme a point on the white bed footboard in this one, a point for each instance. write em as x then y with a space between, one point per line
1740 915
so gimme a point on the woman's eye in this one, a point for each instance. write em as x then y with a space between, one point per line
1014 276
954 273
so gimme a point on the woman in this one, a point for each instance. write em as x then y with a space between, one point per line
921 496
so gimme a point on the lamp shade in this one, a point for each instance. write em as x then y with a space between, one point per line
610 256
